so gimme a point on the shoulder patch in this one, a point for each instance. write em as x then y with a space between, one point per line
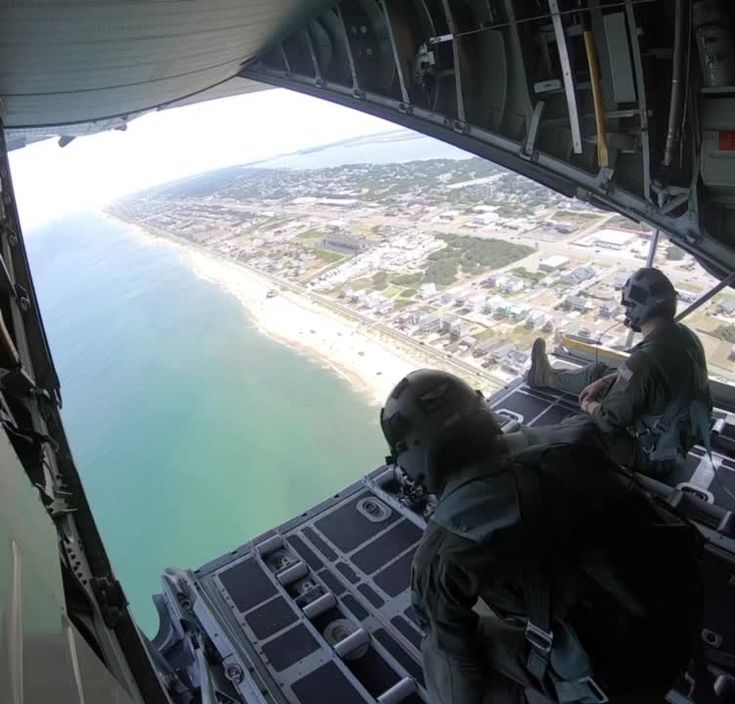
625 372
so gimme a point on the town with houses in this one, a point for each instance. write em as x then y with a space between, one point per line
458 257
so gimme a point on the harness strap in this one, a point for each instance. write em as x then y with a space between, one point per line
539 636
686 397
539 633
582 691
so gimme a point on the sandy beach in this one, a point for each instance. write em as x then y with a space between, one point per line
371 365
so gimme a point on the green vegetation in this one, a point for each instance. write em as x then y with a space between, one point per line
407 279
489 253
473 254
725 332
359 284
532 276
441 272
574 216
485 334
311 235
401 303
328 256
380 280
408 293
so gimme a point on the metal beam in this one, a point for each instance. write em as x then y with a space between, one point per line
530 145
727 281
312 53
456 60
597 98
348 49
394 48
566 69
641 92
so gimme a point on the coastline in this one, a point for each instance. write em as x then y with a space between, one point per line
369 364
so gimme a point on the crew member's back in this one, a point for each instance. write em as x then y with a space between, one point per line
595 585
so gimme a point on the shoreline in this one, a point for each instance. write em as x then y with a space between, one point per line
367 363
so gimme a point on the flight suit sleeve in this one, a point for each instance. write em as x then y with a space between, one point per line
451 650
627 398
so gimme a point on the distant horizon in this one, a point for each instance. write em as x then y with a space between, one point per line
158 147
390 136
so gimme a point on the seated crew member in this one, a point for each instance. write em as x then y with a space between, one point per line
589 600
657 404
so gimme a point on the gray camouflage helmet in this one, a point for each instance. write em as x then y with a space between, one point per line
648 293
435 423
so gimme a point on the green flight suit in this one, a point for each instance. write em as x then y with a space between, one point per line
475 548
647 384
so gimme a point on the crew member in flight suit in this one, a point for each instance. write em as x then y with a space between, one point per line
657 404
569 624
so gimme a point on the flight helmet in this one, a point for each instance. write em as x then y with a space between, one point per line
436 423
647 294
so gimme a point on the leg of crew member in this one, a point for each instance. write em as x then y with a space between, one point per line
572 381
506 682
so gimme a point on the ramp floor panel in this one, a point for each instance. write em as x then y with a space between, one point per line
347 528
326 683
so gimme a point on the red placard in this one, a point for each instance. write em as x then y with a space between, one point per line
727 141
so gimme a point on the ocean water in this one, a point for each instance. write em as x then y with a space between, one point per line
191 430
385 148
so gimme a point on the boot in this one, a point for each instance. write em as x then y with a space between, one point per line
539 375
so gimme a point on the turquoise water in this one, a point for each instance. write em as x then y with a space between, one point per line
192 431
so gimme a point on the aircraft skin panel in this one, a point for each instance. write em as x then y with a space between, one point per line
64 64
36 628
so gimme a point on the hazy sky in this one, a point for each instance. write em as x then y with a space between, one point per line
51 182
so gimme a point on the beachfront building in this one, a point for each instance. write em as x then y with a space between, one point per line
449 215
458 330
482 349
579 275
610 309
510 284
477 302
518 312
577 303
726 307
553 263
344 243
499 353
447 321
467 343
429 322
339 202
612 238
460 297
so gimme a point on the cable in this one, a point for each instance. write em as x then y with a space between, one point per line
446 37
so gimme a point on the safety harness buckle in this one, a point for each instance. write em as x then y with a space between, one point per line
581 691
538 638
